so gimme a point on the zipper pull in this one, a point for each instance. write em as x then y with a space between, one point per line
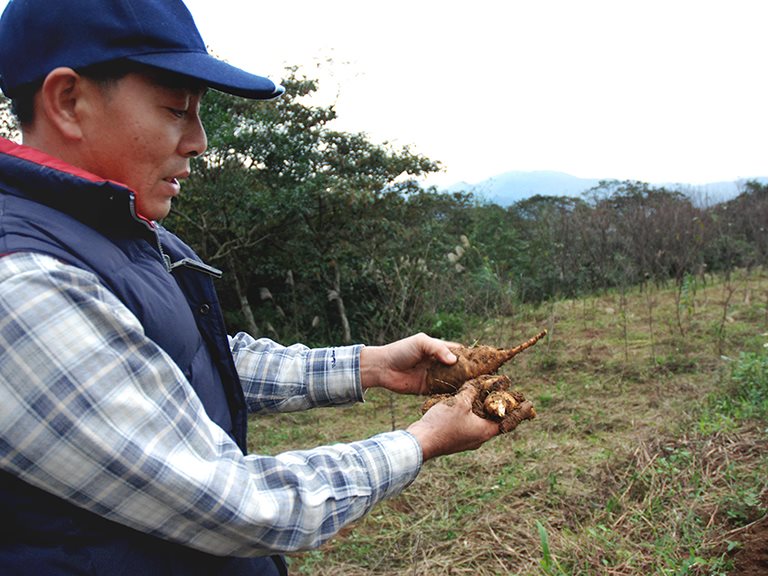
196 266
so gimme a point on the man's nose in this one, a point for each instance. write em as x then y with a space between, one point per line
195 141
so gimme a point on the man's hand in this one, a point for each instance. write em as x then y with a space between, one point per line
450 428
402 366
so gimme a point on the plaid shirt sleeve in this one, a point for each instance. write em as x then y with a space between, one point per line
94 412
285 379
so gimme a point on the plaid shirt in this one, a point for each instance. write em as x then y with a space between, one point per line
94 412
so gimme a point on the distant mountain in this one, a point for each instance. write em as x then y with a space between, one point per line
510 187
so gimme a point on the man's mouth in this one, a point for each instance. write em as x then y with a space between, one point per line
175 184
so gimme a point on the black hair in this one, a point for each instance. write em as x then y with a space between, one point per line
105 74
23 103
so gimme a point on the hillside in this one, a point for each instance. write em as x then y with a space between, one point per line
647 456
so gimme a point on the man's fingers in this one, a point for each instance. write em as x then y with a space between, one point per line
467 393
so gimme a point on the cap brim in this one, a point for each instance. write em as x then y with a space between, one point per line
214 73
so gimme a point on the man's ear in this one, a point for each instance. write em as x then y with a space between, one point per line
60 99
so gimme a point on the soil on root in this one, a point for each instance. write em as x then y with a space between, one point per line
752 558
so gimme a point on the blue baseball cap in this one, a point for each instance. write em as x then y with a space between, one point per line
37 36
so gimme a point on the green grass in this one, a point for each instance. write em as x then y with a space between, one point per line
647 457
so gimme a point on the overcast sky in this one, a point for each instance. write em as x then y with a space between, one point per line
653 90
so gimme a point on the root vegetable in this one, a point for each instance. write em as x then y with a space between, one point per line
477 366
472 362
495 401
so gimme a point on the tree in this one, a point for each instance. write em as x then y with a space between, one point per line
9 128
282 196
659 230
547 239
747 216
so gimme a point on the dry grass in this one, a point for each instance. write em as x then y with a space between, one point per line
623 472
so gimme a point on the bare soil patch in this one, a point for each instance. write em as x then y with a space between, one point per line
752 558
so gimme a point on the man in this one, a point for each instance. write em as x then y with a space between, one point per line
122 400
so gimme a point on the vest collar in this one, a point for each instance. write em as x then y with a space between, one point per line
98 202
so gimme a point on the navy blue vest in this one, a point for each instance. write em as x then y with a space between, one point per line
93 225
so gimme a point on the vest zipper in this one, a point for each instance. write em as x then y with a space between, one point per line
169 266
163 255
152 227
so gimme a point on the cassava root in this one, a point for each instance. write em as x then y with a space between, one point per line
472 362
476 366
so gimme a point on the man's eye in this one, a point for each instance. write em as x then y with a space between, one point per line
177 112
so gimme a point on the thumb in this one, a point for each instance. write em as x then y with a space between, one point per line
444 352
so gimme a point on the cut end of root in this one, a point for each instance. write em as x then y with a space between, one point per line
499 403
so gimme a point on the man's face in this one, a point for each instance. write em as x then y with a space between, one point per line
141 132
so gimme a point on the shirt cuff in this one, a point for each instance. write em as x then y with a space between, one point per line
333 375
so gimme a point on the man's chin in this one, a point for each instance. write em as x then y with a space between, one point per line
153 216
156 212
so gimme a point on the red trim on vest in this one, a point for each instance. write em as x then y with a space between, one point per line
36 156
42 159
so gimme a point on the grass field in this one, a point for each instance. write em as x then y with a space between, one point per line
648 456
